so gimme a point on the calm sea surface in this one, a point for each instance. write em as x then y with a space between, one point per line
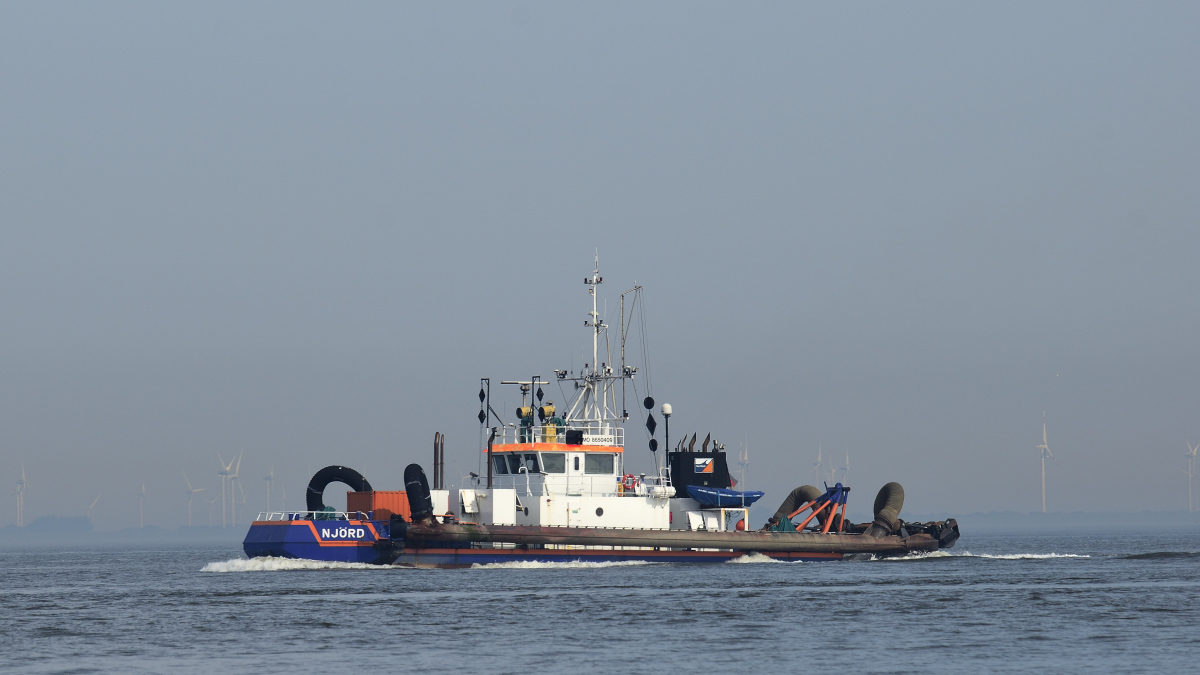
1070 604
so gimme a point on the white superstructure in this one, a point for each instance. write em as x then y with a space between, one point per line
569 470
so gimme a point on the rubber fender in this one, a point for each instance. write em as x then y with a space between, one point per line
420 506
333 474
795 499
888 503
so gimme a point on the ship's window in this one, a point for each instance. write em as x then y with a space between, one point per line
531 463
514 463
554 462
576 462
598 463
499 463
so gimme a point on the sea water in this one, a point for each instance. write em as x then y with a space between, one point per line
1054 603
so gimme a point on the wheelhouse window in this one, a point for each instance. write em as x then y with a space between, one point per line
554 462
531 463
598 462
500 464
514 463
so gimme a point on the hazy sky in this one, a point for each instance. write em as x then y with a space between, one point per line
901 231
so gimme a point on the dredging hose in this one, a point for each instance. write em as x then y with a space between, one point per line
888 503
333 474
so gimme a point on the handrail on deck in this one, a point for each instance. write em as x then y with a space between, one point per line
311 515
555 434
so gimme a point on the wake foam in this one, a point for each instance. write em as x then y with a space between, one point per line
932 555
556 565
1027 556
754 558
268 564
919 555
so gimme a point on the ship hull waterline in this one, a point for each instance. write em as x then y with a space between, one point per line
466 544
457 558
458 545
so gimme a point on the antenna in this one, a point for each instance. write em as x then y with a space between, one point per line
625 370
1045 448
743 462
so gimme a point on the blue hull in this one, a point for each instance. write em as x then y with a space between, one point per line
357 541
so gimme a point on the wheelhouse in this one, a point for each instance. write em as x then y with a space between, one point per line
548 466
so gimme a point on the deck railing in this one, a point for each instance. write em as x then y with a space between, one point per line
609 435
535 484
311 515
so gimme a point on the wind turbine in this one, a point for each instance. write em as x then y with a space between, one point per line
20 493
845 468
243 494
191 493
1045 448
89 509
816 467
141 506
1191 460
210 508
226 469
270 478
233 479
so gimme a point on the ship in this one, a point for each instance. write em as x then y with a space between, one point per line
556 489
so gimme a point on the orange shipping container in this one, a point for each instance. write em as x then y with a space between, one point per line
383 504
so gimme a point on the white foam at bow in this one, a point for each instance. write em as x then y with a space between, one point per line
754 558
267 564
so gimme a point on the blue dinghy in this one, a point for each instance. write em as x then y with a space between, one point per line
722 496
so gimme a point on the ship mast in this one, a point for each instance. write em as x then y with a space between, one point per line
592 406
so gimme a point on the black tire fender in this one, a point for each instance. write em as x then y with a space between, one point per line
333 474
